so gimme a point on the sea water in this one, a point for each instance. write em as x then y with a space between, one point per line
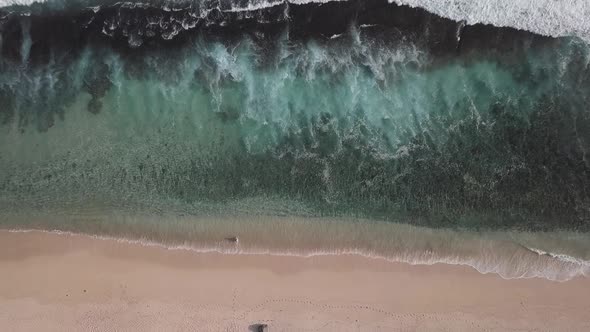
303 128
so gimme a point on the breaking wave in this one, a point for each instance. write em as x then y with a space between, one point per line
546 17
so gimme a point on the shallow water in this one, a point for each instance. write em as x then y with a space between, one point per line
556 256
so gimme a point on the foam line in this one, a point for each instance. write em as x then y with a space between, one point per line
556 18
579 268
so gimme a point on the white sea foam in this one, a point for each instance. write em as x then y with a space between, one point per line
561 257
554 267
554 18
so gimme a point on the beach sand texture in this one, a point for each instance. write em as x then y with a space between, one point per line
55 282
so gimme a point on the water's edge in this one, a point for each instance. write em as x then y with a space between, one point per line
511 255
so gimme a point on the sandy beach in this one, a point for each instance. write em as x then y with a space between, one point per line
56 282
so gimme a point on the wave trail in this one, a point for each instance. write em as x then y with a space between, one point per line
561 257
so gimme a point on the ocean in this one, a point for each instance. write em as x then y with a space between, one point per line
402 130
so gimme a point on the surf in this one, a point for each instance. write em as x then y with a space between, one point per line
541 17
386 114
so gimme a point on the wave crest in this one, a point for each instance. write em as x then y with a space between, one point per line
546 17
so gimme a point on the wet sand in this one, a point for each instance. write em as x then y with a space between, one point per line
55 282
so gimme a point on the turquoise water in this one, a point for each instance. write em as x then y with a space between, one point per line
342 129
347 144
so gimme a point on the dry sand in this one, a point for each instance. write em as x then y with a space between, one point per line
52 282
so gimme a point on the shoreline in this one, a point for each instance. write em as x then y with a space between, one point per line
66 282
497 253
